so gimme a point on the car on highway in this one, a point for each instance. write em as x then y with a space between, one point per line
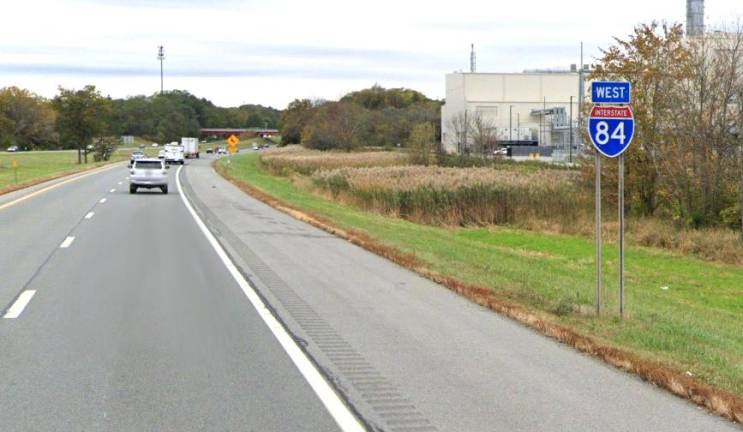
255 147
221 151
135 156
148 173
161 154
13 149
209 151
173 153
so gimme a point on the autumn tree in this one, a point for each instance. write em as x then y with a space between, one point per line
686 155
81 116
334 126
653 59
26 120
294 119
421 144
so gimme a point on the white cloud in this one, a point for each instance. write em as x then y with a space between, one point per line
234 52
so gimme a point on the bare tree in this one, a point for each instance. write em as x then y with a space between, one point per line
483 133
460 126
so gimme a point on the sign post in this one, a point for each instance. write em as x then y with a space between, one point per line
14 164
233 141
611 126
598 233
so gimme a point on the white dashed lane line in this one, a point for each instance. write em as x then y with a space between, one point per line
112 191
67 242
102 200
15 310
89 215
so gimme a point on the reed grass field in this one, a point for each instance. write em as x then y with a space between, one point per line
458 196
295 159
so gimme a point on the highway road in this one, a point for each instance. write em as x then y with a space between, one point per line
206 310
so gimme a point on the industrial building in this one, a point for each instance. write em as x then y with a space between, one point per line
533 111
530 109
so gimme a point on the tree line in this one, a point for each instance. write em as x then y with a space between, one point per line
371 117
32 122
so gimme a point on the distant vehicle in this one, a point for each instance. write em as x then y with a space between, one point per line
209 150
136 156
190 147
173 154
221 151
155 144
89 147
500 152
161 154
148 173
255 147
13 149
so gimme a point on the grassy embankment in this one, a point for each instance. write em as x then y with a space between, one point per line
35 166
683 312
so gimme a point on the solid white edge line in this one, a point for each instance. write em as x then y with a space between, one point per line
102 200
327 395
67 242
89 215
17 308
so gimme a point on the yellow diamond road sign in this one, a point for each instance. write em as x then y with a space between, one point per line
233 141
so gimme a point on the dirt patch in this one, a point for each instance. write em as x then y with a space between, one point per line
716 400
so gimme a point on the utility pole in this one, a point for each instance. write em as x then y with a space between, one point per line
473 59
570 159
161 57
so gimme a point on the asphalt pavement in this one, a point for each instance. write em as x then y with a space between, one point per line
122 313
135 325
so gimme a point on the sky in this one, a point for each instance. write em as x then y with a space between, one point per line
271 52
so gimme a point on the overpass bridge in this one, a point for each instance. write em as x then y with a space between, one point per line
240 132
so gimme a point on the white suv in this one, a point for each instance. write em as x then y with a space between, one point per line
148 173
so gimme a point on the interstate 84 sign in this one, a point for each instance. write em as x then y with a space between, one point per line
611 129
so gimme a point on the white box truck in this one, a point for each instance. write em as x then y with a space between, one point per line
190 147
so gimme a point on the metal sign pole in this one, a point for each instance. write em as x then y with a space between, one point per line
598 234
621 235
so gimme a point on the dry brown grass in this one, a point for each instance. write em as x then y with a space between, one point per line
457 196
296 159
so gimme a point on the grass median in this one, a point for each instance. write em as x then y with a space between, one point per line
34 166
683 312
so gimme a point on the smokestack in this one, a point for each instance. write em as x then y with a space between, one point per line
694 17
473 65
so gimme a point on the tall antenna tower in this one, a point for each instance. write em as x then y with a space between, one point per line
473 60
161 57
694 17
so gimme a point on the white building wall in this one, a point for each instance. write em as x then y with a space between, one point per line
508 100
